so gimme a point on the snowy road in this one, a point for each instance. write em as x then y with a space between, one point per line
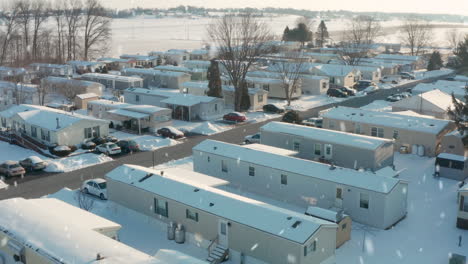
34 187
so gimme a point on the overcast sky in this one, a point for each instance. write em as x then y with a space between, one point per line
419 6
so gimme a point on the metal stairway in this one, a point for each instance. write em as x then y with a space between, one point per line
218 255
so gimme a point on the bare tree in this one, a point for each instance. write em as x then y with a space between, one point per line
11 23
96 27
39 13
24 19
416 34
84 201
72 17
239 39
453 37
357 39
290 73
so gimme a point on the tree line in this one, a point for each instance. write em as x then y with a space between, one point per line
53 31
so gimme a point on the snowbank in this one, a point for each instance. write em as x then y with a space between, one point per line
16 153
3 185
146 142
76 162
203 128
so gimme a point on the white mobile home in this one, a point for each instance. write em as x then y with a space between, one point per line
274 87
112 81
142 60
432 103
369 198
200 54
116 64
184 106
66 86
54 127
248 230
80 67
452 166
46 69
449 87
196 74
409 132
409 63
329 146
339 74
310 84
15 74
158 79
40 231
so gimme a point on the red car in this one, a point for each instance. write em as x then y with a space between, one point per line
235 117
170 132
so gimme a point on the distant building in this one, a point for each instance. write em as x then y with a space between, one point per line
81 100
158 79
46 69
115 82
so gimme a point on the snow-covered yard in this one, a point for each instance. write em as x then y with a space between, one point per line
306 102
3 185
76 162
146 142
15 152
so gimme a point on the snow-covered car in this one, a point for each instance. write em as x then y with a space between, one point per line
235 117
371 89
394 98
391 79
255 138
313 122
170 132
96 187
407 76
33 163
88 145
109 148
11 168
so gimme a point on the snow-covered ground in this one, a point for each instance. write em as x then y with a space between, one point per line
15 152
138 231
146 142
3 185
378 105
77 162
306 102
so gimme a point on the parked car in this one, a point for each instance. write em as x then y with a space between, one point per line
235 117
11 168
111 139
407 76
393 98
128 145
313 122
33 163
96 187
371 89
292 117
88 145
391 79
336 93
170 132
405 94
271 108
99 140
255 138
348 91
363 84
109 148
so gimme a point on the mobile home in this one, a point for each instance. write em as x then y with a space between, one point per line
369 198
111 81
158 79
329 146
248 230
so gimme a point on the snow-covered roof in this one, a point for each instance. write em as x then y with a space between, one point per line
325 135
54 79
84 63
114 60
448 87
153 72
59 231
49 65
325 214
111 77
24 87
138 57
452 157
255 214
263 80
267 148
397 57
195 85
363 180
195 63
172 68
127 113
461 78
199 52
413 123
193 176
187 99
148 109
87 95
108 103
46 117
14 109
335 69
436 100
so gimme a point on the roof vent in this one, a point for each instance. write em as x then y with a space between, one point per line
296 224
289 217
196 190
211 204
215 148
146 177
353 113
431 125
361 114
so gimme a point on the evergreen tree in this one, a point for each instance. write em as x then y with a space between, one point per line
245 99
322 34
286 34
459 114
435 62
462 53
214 80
